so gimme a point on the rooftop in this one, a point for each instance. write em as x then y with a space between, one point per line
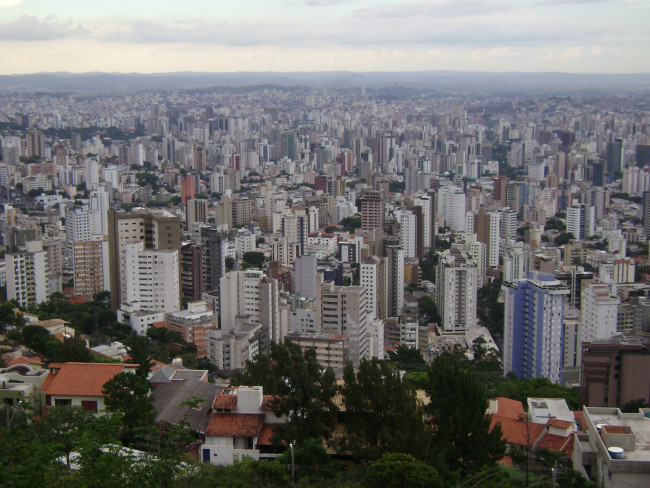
613 421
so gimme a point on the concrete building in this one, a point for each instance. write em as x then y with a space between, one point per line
196 210
344 312
534 327
373 279
372 211
332 350
394 277
152 278
456 283
613 451
599 312
26 274
91 267
157 229
616 370
581 221
193 324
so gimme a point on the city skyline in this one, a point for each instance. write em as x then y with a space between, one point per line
576 36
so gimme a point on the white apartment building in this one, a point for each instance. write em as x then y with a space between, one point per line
456 281
152 278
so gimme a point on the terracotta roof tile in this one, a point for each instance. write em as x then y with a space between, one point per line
508 408
235 425
25 360
267 403
80 379
562 424
265 436
553 442
518 432
225 402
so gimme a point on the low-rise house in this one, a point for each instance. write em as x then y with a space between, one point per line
241 424
80 384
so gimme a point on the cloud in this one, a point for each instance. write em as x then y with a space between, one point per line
31 28
433 9
10 3
324 3
568 2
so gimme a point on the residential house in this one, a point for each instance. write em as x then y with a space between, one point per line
80 384
241 424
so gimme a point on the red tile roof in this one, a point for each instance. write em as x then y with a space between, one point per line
509 409
518 432
25 360
235 425
554 442
562 424
265 436
80 379
225 402
267 403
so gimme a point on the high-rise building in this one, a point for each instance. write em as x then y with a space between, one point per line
90 265
456 283
344 311
372 211
616 370
188 188
196 210
581 221
214 247
533 341
614 153
191 272
200 159
599 313
646 212
394 277
304 276
152 278
408 224
487 227
429 228
373 279
250 297
158 229
27 275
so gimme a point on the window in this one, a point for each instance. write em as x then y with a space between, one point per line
89 406
61 402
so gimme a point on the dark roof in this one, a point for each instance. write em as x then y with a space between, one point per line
167 398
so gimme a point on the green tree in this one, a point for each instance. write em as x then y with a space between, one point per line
564 238
140 354
304 390
457 410
407 358
127 395
62 428
397 470
429 309
254 259
73 349
381 413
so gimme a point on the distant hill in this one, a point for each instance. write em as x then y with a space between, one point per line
437 82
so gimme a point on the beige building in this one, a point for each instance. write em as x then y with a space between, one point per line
331 349
90 266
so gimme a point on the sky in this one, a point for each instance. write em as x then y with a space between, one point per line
160 36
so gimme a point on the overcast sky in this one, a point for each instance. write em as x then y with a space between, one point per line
152 36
